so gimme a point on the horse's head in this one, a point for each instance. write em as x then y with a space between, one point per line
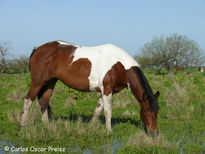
142 91
149 111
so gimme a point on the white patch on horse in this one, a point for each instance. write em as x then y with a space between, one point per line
128 87
102 59
66 43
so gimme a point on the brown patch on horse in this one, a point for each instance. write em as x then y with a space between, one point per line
115 79
78 72
53 60
97 89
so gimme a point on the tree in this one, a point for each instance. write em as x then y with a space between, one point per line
20 65
175 50
144 61
9 64
4 53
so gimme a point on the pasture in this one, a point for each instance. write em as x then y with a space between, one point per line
181 119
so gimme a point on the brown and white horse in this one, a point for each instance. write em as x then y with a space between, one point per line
106 69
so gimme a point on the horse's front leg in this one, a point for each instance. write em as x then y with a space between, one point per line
98 109
108 111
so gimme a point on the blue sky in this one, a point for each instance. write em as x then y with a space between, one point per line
128 24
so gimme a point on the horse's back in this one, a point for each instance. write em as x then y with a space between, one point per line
105 55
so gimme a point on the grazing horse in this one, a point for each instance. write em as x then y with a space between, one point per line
106 69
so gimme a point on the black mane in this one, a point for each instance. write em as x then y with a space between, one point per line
152 102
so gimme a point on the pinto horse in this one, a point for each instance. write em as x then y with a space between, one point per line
106 69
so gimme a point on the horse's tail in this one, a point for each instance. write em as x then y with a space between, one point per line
34 49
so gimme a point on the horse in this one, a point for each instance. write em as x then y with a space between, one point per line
179 68
106 69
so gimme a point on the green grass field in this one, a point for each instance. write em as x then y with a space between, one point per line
181 119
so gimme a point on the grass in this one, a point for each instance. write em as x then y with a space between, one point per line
180 120
140 138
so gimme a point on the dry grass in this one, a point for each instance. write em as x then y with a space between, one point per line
54 129
87 128
179 102
120 101
16 96
34 114
129 113
14 115
69 102
60 89
57 129
95 126
177 95
142 139
80 129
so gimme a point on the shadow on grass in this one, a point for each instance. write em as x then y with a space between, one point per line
86 119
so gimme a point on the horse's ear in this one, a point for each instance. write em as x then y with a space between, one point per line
157 95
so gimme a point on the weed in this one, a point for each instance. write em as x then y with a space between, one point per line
128 113
69 102
14 115
140 138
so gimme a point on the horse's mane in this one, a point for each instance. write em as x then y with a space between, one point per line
152 102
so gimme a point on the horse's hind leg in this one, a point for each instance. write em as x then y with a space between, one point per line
44 98
33 91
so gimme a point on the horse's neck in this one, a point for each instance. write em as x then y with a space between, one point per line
135 85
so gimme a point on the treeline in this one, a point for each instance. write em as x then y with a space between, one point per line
20 65
9 64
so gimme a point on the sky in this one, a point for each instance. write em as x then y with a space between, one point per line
129 24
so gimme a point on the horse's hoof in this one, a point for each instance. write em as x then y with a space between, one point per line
108 132
22 124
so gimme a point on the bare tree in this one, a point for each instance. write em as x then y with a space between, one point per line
175 50
20 65
9 64
4 53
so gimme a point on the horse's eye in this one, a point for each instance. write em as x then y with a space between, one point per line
143 111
